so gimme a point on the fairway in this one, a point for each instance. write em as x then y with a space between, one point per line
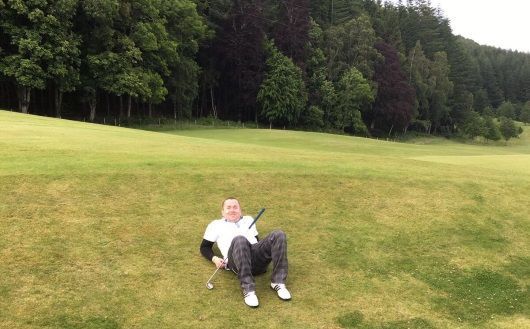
100 228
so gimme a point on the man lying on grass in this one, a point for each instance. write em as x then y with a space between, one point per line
244 253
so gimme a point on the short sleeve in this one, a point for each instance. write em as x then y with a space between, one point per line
211 234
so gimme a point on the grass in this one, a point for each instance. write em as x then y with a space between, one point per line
100 228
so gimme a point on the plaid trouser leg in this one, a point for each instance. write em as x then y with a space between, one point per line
239 260
272 248
248 260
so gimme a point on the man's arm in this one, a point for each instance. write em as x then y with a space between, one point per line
206 249
207 252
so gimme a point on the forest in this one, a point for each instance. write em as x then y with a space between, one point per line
360 67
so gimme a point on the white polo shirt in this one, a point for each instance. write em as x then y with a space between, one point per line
223 231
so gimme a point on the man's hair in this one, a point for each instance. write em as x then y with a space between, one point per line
229 198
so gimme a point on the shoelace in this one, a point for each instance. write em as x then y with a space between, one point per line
245 295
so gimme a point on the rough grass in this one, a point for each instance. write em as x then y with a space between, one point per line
100 228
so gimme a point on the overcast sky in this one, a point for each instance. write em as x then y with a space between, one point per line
499 23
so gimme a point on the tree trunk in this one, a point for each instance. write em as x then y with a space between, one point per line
58 102
214 109
107 98
150 109
129 104
390 132
121 106
24 97
92 104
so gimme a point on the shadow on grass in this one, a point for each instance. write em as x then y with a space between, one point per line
471 295
356 320
476 295
69 322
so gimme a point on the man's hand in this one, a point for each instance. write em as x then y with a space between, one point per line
219 262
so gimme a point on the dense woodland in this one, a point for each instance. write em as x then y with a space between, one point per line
362 67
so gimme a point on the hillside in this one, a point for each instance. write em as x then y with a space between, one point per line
100 228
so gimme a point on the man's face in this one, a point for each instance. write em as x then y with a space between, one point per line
231 210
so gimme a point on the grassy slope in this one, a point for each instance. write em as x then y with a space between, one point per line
100 228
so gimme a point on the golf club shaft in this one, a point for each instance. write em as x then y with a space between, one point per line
257 217
214 273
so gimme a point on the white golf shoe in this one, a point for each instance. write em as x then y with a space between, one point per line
281 290
251 299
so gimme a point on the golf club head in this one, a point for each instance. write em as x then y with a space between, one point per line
209 285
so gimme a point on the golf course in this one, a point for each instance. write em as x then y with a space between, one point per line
100 227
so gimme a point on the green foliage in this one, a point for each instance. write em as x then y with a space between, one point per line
491 130
488 112
354 94
282 94
507 128
420 77
351 44
481 100
506 110
329 101
209 57
156 90
473 125
525 113
442 90
312 117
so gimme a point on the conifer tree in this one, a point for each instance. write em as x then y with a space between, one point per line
282 94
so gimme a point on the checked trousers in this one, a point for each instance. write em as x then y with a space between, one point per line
247 260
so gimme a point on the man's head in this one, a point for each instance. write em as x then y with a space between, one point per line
231 209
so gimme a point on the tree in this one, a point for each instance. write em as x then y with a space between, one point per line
419 68
351 44
507 128
329 99
488 111
393 107
186 31
491 130
473 125
481 100
506 110
157 91
464 73
282 94
312 117
442 89
28 52
63 68
94 23
240 47
525 113
292 29
354 92
322 95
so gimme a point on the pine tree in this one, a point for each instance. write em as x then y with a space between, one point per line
282 94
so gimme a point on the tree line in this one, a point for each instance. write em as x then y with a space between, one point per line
356 66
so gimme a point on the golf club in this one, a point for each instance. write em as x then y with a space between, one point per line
209 284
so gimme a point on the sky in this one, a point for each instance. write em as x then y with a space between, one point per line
503 24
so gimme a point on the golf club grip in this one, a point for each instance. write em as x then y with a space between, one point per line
257 217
